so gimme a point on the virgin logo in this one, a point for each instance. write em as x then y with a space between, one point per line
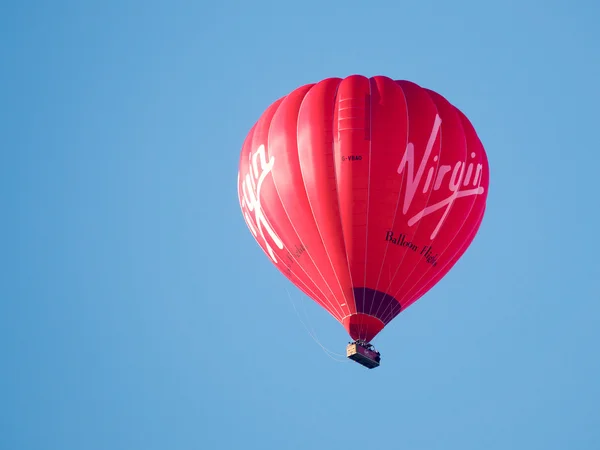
453 183
250 199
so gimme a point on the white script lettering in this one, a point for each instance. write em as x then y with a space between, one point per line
454 182
250 201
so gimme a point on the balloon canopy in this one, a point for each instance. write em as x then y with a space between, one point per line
364 193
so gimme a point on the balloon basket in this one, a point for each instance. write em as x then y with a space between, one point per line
364 354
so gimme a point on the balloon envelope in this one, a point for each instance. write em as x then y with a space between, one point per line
364 192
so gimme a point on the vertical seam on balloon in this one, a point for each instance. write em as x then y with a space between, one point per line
266 218
395 210
370 124
309 255
465 220
326 299
390 315
397 205
467 216
315 219
339 203
438 133
460 179
429 196
392 306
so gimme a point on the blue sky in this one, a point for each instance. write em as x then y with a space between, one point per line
137 312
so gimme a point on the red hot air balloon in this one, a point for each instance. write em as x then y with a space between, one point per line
364 193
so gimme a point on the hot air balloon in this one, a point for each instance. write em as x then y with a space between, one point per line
363 192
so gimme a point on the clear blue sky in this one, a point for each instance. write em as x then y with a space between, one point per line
137 312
